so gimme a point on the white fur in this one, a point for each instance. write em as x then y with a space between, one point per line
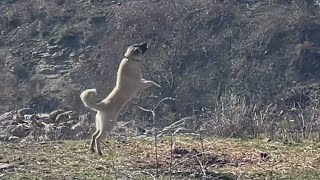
129 83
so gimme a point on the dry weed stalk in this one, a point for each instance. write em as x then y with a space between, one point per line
153 111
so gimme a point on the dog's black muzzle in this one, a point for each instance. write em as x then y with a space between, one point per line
143 47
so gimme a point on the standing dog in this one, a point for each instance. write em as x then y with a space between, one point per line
129 84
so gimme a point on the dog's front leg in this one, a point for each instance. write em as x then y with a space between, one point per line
146 84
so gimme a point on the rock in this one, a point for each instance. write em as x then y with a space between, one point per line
19 130
6 116
47 71
49 132
7 166
14 139
69 123
42 138
44 55
72 54
182 130
64 132
183 125
47 120
82 135
31 117
6 123
86 118
74 116
54 47
79 131
92 129
4 136
78 127
55 113
180 150
43 115
63 117
140 130
57 54
25 111
35 133
52 76
121 130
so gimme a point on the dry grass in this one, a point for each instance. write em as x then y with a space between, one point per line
134 159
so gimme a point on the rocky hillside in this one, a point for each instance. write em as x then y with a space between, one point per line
202 52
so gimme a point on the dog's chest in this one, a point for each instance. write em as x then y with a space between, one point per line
129 72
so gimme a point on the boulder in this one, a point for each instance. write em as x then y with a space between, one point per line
49 132
14 139
64 117
64 132
55 113
19 130
6 116
4 136
80 131
25 111
6 123
7 167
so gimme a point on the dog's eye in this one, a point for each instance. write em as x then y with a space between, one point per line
136 50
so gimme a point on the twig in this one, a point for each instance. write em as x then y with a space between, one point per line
144 172
171 155
110 148
203 169
113 162
202 154
272 168
155 129
114 168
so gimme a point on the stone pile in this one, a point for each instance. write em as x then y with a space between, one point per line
28 125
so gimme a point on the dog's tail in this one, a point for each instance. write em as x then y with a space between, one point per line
88 98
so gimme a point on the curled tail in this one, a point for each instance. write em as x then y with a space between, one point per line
88 98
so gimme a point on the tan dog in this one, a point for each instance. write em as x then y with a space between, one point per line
129 84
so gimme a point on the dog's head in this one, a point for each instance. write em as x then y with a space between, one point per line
136 51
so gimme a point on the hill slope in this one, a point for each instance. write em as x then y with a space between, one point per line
202 52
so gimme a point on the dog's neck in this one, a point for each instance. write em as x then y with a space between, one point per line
132 59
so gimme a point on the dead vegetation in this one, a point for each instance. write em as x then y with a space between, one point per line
135 159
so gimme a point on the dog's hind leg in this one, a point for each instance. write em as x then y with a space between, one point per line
99 138
93 140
